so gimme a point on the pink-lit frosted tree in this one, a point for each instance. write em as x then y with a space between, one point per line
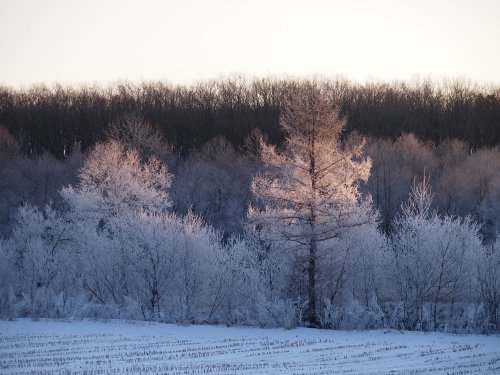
309 190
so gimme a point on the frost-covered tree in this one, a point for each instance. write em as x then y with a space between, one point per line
395 165
431 257
33 180
41 253
215 184
115 187
488 282
309 191
114 180
170 263
9 273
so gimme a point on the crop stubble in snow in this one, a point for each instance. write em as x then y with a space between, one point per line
85 347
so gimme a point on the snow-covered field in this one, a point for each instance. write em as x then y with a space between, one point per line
85 347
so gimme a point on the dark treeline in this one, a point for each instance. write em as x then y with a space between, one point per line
58 118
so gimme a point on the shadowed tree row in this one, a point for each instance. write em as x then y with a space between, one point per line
56 119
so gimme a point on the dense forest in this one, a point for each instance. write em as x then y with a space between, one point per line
268 202
57 119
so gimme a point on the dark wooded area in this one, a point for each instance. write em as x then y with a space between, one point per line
59 118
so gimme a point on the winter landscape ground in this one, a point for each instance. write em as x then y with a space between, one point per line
89 347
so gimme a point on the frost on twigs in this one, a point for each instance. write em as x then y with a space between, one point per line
309 191
114 179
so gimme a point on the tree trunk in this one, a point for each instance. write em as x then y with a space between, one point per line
311 316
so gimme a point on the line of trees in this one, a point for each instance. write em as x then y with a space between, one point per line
122 241
214 181
58 119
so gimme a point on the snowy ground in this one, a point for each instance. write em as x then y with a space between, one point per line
78 347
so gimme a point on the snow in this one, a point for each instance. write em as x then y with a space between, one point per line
90 347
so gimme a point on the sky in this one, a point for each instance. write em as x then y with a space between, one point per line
185 41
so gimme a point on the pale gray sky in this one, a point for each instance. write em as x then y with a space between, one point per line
97 41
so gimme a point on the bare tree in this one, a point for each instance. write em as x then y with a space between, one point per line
136 133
